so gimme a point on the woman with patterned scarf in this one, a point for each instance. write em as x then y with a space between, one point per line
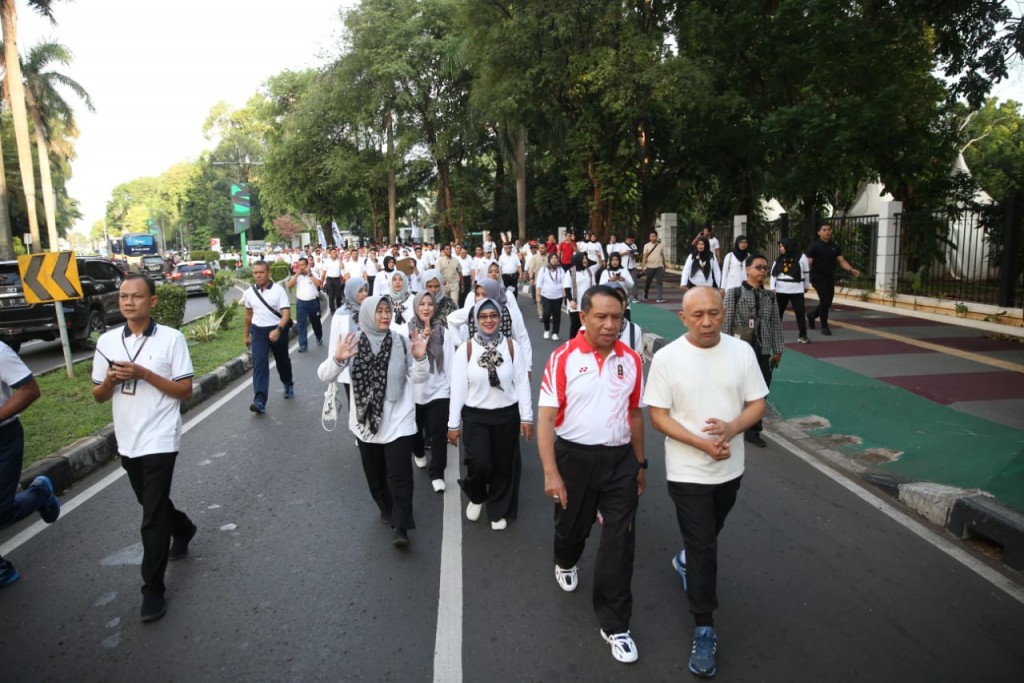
490 407
382 413
432 396
701 268
433 282
790 278
463 325
345 321
401 301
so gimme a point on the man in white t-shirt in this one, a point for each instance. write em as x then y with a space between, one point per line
145 370
511 268
307 282
704 390
332 269
267 321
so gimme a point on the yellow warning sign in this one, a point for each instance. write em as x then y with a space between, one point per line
50 277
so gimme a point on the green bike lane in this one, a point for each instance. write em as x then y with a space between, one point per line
937 443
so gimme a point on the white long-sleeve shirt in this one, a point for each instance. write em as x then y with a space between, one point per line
699 280
733 272
785 284
550 285
329 370
438 384
470 386
458 324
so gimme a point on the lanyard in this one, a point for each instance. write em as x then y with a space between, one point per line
131 358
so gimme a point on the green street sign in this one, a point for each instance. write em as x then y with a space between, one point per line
240 204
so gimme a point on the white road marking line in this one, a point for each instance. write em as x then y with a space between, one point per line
448 638
69 504
917 528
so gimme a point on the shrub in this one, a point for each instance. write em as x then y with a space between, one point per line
279 270
170 309
244 275
206 328
227 264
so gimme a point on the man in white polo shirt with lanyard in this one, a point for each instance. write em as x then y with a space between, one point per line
146 371
590 434
267 321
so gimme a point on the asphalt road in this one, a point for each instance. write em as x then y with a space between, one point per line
292 578
44 356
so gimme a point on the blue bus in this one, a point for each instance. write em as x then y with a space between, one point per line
142 244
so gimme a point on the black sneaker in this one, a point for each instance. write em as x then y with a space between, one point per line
810 320
179 544
401 538
51 509
755 439
825 331
153 607
8 573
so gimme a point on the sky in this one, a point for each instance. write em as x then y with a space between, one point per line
154 69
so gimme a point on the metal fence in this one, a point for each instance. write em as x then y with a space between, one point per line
956 256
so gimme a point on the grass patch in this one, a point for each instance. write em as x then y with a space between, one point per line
66 411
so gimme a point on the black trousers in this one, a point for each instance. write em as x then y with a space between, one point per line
701 510
490 442
335 292
600 478
388 470
511 281
826 289
150 477
574 323
798 309
764 363
467 289
432 428
552 316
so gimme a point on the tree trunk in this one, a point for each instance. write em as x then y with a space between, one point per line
6 236
600 209
444 176
16 94
45 177
392 190
520 170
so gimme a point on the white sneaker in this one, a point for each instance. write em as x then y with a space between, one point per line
568 579
555 337
438 485
420 462
473 511
500 525
547 335
623 647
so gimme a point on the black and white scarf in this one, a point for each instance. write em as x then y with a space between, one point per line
369 381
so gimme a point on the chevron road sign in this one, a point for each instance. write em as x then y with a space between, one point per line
50 277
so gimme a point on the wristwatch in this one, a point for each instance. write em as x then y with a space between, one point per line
643 464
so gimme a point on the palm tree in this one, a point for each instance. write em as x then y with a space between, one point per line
50 114
16 99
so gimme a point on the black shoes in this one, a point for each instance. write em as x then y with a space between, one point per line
825 331
810 320
153 607
179 544
755 438
401 538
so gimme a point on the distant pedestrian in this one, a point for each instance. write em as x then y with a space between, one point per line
533 265
751 313
823 256
652 263
401 301
566 249
490 407
435 283
333 266
734 269
344 322
306 283
701 269
550 296
703 391
615 272
451 272
267 321
790 279
145 370
382 414
511 268
18 390
590 435
576 282
432 396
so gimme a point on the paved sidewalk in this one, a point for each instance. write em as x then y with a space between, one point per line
948 398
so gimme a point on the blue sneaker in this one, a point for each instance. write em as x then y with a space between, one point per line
258 406
702 655
8 573
51 509
289 391
679 562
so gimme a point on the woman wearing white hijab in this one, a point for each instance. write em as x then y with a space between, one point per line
490 407
432 395
382 413
344 321
401 301
433 282
462 323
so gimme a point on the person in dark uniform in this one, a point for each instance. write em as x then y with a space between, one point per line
823 255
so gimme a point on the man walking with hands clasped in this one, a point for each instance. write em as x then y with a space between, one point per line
590 434
146 371
704 391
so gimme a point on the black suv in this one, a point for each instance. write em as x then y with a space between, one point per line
21 321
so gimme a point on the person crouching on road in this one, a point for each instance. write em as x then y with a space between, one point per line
752 313
703 391
345 321
382 413
432 396
490 407
146 371
267 321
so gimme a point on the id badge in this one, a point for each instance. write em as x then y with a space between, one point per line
128 387
751 322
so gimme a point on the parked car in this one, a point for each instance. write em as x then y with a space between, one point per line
192 276
154 266
21 321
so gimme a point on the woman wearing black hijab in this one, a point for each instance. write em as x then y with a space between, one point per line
382 283
701 268
382 413
734 269
790 279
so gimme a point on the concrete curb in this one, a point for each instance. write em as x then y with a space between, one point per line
88 454
965 513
